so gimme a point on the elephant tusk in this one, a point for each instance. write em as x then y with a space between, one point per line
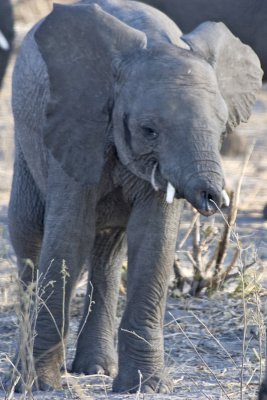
3 42
153 181
184 45
170 193
226 199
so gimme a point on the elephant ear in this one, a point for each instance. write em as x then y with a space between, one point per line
81 44
237 67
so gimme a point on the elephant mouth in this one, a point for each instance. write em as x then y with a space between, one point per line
159 183
207 202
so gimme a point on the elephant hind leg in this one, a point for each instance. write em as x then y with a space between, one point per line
95 349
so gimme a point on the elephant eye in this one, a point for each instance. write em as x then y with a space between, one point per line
149 133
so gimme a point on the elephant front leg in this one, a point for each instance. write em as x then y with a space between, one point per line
44 324
51 321
152 233
68 236
95 349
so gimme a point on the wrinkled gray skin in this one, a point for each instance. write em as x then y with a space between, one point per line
98 106
6 35
245 18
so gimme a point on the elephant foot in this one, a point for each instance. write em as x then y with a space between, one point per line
263 391
48 370
141 358
45 381
38 384
129 382
44 375
48 378
103 363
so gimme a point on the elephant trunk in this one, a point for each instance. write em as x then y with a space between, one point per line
205 193
200 181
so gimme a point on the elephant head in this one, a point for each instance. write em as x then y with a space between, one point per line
164 108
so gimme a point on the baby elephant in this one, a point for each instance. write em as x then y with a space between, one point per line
118 118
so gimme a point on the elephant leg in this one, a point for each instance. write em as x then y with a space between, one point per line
68 236
68 231
25 220
152 233
95 349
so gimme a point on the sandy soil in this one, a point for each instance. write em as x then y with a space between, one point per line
213 349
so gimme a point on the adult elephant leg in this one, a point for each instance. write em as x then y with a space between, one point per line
152 233
69 230
95 349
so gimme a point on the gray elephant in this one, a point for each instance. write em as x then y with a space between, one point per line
117 119
6 35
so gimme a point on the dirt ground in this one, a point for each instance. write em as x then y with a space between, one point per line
215 345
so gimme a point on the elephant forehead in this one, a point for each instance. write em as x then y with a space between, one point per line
169 105
170 96
179 67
